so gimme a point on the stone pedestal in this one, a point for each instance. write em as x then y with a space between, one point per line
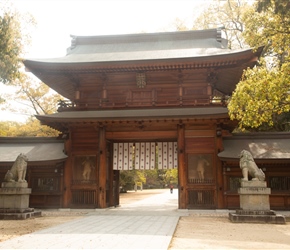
255 204
14 201
254 195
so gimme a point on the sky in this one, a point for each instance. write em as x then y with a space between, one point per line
56 20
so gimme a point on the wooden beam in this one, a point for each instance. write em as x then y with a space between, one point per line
133 135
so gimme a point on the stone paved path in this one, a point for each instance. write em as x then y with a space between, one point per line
144 224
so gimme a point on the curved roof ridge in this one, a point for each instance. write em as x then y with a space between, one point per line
212 34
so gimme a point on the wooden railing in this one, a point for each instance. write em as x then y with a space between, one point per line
45 184
279 183
200 181
84 182
201 198
84 197
146 103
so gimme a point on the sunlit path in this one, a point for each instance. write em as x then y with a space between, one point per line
147 223
161 203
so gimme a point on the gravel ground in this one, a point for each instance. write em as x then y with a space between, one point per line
215 231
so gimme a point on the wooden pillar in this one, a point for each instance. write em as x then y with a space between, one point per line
116 187
182 175
102 168
110 171
219 169
67 175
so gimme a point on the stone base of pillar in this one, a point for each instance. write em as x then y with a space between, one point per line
254 195
255 205
18 214
250 216
14 202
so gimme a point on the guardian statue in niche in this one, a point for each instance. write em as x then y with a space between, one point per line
248 166
201 166
87 168
18 170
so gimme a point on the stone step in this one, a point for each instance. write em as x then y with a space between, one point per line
257 218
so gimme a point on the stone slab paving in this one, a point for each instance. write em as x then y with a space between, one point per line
145 224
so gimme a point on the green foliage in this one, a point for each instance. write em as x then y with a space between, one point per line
179 25
269 28
30 97
278 6
35 95
31 128
10 48
226 14
262 99
127 179
155 178
14 34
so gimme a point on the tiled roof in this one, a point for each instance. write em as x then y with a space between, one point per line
143 46
262 146
137 113
36 149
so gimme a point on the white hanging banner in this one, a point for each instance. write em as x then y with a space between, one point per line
172 155
149 155
131 154
145 155
142 156
123 156
152 155
175 162
167 155
115 156
160 154
137 155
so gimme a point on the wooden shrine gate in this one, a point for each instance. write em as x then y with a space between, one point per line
193 153
144 94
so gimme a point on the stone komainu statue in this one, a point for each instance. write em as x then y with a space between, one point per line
248 166
18 170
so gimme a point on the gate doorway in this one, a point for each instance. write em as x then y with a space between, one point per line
155 201
150 165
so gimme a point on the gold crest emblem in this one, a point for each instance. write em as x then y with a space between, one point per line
141 80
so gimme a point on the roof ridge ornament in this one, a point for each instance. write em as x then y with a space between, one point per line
73 42
219 33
